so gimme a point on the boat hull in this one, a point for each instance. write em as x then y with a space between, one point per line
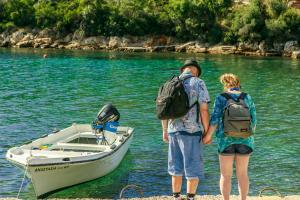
47 178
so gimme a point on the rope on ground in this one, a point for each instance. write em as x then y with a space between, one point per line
270 189
136 188
24 176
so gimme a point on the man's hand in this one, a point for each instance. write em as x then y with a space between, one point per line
165 137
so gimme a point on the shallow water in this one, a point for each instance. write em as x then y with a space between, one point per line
38 95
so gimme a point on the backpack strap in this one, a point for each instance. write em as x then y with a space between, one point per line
226 95
242 96
185 78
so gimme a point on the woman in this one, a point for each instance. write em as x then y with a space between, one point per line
230 147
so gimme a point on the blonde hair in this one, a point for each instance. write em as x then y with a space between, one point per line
230 81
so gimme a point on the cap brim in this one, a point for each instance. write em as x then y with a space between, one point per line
187 65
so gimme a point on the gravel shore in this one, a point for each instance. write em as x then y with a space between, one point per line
205 197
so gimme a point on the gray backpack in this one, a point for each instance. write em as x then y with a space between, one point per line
236 117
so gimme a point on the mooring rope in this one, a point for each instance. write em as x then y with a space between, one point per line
137 188
22 181
270 189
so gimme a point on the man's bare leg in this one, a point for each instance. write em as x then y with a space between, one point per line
191 187
176 184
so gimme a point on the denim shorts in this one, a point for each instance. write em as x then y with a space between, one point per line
185 157
237 149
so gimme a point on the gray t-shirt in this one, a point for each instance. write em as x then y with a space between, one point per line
197 91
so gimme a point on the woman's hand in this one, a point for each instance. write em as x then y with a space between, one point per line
165 136
207 139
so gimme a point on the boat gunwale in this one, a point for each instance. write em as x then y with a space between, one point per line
82 161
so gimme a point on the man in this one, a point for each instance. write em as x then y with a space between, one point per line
184 134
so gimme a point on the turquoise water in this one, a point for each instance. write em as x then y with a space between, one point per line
38 95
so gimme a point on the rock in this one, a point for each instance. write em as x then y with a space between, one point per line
133 41
250 53
114 42
78 35
73 45
45 46
61 46
162 48
42 42
5 42
279 47
94 41
160 40
290 46
262 46
17 36
132 49
296 54
195 49
248 47
271 53
198 48
25 43
68 38
56 43
183 47
27 37
46 33
223 49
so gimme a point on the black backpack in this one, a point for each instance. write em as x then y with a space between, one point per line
172 101
236 117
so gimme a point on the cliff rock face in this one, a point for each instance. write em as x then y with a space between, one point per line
17 36
289 47
252 47
48 38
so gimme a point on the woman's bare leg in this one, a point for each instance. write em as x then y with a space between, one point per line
241 164
226 165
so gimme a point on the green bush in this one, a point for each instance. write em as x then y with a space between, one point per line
248 22
205 20
20 12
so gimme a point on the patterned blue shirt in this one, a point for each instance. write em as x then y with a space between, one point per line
197 92
216 119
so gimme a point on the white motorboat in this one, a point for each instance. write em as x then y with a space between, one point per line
71 156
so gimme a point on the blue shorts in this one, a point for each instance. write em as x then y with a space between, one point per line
185 156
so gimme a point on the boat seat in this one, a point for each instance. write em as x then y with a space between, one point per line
81 147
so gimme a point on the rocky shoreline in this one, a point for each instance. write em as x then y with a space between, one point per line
47 38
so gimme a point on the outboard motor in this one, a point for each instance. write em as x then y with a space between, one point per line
108 113
107 119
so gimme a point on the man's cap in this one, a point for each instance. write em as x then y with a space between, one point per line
191 62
